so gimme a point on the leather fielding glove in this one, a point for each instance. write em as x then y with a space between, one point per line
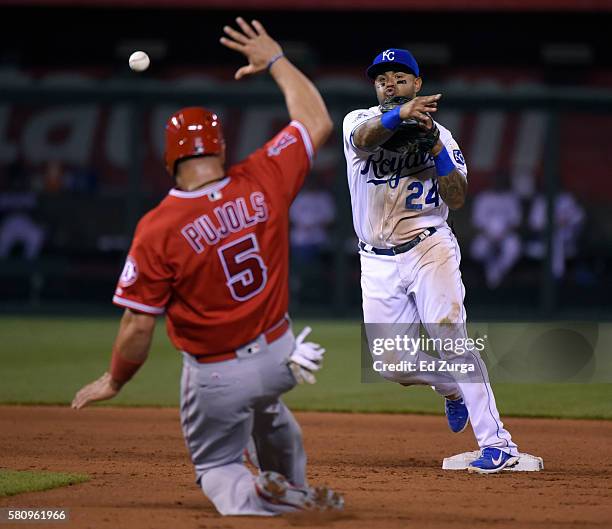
411 135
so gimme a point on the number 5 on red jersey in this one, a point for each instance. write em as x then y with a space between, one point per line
244 268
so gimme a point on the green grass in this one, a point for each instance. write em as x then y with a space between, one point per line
15 482
46 360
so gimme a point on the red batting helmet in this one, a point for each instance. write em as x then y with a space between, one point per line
192 131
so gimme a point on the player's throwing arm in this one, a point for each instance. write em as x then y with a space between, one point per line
405 123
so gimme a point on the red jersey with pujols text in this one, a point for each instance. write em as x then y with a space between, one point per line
216 260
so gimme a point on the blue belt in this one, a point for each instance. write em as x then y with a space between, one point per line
402 248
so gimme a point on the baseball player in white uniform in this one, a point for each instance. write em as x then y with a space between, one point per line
409 256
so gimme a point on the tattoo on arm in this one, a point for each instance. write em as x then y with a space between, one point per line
371 134
453 189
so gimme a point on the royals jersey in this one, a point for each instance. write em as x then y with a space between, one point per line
394 197
216 259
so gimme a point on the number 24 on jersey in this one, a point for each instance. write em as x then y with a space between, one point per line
416 190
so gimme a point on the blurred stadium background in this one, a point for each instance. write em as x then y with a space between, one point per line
527 92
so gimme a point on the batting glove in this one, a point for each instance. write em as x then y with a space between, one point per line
306 358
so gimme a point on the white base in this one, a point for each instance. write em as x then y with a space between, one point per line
527 463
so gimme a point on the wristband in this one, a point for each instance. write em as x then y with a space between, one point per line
121 369
444 164
274 59
391 120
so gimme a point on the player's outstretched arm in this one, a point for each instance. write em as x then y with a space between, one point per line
453 186
373 133
304 102
130 351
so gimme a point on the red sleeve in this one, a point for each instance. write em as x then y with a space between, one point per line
144 284
285 160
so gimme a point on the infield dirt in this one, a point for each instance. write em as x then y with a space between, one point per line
388 467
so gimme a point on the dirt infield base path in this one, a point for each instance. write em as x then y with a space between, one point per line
388 466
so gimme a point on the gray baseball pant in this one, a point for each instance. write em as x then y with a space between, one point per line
223 404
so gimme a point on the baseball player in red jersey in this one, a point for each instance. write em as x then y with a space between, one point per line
213 257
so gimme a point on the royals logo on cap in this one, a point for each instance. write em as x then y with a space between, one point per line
393 59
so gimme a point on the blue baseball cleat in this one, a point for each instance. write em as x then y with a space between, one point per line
456 414
492 460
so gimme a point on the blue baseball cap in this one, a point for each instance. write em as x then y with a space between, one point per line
393 59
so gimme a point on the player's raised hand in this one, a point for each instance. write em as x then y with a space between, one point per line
103 388
418 108
254 43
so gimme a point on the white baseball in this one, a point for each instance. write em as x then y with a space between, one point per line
139 61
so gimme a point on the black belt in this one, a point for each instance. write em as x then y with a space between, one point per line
402 248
